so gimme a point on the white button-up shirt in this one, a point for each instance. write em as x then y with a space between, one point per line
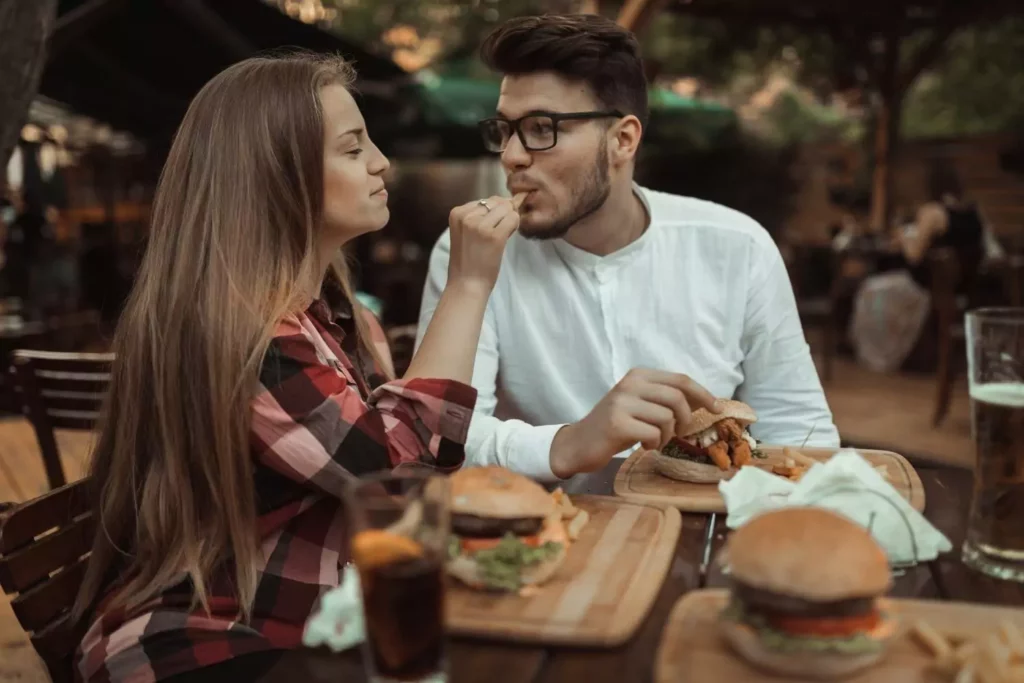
703 292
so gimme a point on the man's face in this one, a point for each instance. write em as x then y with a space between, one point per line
569 181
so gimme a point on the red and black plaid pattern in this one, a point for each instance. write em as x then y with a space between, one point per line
322 415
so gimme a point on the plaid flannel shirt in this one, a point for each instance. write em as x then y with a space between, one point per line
318 420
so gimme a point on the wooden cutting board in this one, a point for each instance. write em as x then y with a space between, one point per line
692 650
602 591
638 481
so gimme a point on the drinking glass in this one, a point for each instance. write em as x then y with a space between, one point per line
399 525
994 543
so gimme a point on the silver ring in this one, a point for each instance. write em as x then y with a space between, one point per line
483 203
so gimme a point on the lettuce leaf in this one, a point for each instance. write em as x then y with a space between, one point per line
501 567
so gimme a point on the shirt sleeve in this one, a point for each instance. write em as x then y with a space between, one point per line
311 425
780 380
512 444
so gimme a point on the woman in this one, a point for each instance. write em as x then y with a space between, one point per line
249 384
892 307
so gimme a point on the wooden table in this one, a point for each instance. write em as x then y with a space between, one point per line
948 492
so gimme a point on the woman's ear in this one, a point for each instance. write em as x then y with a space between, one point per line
625 139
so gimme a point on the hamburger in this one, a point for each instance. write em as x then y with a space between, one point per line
804 594
507 530
712 446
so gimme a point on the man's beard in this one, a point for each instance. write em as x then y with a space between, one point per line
588 196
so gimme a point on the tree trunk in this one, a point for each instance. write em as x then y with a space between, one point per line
24 28
887 122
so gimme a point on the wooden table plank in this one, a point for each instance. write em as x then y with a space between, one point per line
503 663
634 661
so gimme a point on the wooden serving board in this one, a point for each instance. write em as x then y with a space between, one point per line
693 650
638 481
602 591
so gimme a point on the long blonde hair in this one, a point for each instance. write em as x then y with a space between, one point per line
232 250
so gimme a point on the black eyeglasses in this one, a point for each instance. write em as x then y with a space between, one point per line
537 132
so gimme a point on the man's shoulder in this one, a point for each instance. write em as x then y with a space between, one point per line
682 212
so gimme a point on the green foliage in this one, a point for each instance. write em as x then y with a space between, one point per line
977 88
460 25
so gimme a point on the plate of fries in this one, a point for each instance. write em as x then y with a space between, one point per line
993 656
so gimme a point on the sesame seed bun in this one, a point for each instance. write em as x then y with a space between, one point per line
688 470
808 553
498 493
703 418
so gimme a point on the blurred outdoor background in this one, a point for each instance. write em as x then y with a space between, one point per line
829 123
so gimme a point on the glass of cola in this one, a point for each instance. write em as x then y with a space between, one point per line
399 526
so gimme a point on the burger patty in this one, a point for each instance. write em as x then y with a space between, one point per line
769 603
488 527
683 450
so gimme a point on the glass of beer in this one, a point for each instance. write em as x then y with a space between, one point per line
399 526
995 357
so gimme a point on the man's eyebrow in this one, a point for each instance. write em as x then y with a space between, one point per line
532 112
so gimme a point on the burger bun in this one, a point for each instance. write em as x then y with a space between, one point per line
821 666
688 470
497 493
703 418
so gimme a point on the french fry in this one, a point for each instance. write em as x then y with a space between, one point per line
577 524
966 674
933 641
965 653
564 503
1012 637
799 457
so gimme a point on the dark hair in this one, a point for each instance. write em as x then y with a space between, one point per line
580 47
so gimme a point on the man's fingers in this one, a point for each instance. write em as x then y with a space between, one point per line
696 395
655 415
649 436
668 396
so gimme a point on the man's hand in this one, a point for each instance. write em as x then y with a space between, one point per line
647 406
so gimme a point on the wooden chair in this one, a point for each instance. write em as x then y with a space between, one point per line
401 340
59 391
949 313
44 545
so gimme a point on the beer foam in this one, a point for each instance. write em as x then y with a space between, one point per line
1005 394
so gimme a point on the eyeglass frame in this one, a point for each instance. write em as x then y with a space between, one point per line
556 118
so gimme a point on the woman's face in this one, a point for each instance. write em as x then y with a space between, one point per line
355 201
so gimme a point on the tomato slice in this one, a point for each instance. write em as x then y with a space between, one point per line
472 545
826 626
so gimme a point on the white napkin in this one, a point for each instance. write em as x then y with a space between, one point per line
338 623
841 484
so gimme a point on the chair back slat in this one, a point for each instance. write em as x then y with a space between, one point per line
24 568
38 606
63 363
52 511
60 391
44 546
56 644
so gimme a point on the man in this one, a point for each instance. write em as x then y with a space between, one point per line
606 277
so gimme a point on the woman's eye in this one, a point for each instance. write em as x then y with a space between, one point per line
355 152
